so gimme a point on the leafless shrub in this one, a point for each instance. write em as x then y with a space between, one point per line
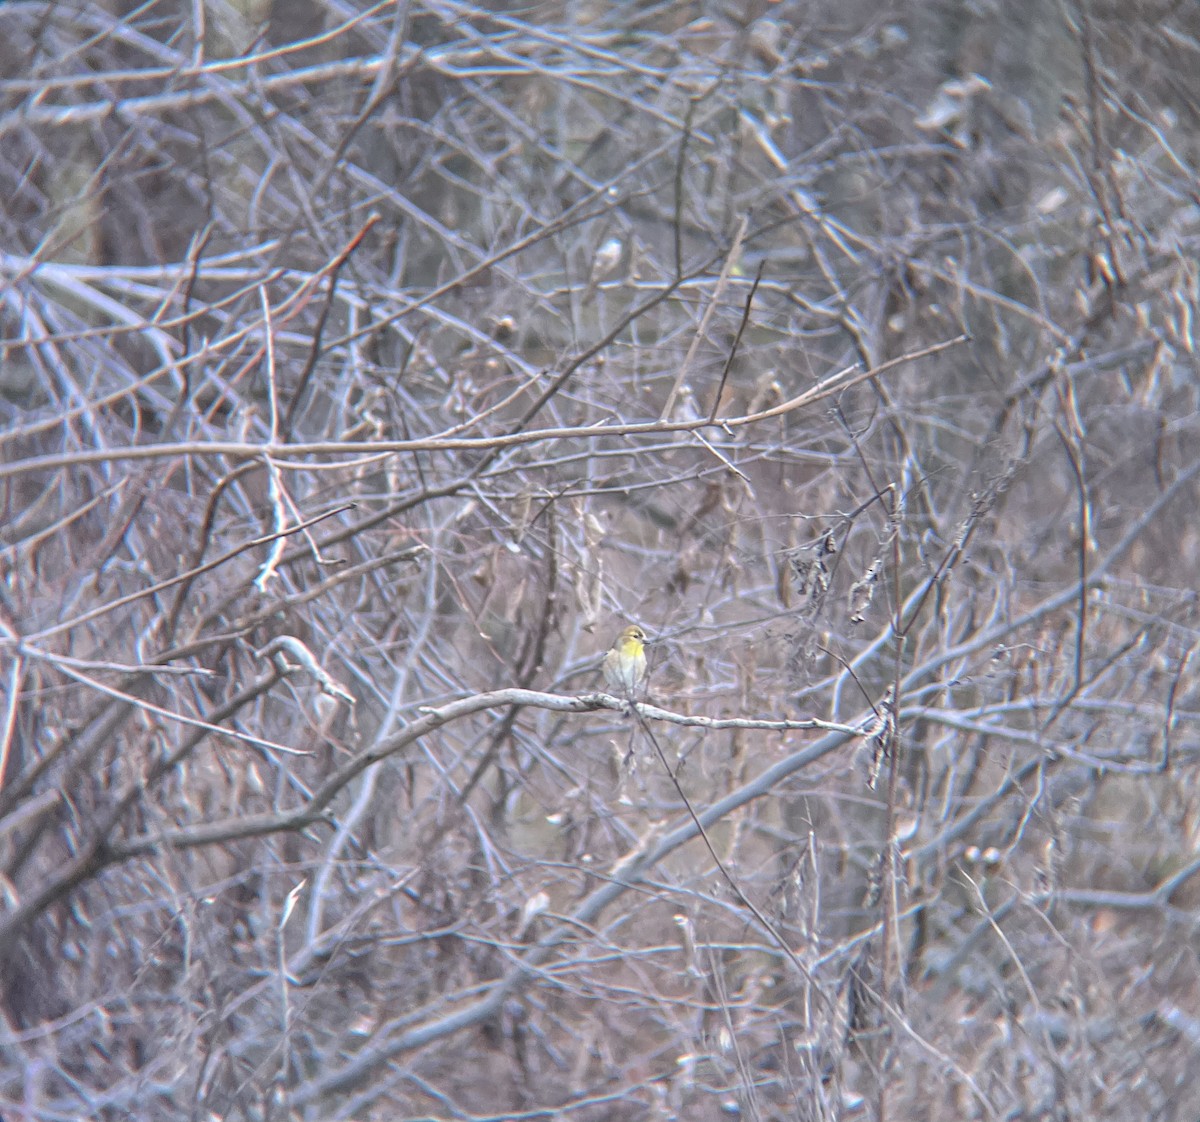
365 366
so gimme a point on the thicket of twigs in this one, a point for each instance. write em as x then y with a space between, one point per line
367 366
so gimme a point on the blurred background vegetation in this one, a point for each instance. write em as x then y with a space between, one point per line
361 358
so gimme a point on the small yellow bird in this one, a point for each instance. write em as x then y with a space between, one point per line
625 662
